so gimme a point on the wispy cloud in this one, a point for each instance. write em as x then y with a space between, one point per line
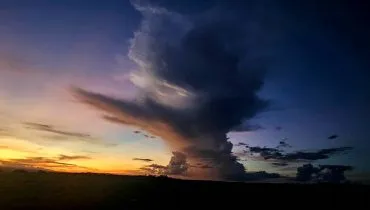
143 159
52 129
43 163
14 62
64 135
18 149
73 157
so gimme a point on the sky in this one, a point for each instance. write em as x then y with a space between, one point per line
199 90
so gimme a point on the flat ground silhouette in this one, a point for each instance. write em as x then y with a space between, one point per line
99 191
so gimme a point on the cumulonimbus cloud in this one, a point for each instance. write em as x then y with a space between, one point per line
198 80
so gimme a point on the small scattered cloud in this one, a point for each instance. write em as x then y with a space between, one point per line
143 159
283 144
73 157
333 136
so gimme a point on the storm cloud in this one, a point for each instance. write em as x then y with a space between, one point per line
198 79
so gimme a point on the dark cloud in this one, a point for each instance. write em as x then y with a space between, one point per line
205 166
333 136
278 128
246 128
116 120
322 173
262 150
143 159
241 144
261 175
280 164
63 134
277 154
265 152
333 173
73 157
283 144
198 80
315 155
305 172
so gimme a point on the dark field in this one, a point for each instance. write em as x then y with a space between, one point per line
94 191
